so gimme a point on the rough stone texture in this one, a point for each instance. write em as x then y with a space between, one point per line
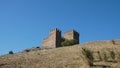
71 35
55 39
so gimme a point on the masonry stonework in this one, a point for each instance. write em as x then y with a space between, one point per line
71 35
54 40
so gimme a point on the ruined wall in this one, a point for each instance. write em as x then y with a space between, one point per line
72 35
54 40
46 43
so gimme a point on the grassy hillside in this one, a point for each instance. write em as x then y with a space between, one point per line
99 54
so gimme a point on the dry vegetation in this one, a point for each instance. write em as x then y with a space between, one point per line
100 54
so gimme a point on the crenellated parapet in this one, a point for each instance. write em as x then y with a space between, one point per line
55 29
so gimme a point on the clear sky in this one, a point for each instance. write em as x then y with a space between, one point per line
24 23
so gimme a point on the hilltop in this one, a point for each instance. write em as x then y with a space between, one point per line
102 54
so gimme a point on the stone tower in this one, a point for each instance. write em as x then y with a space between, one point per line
54 40
71 35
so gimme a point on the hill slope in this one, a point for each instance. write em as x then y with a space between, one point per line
100 54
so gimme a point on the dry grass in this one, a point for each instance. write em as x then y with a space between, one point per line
65 57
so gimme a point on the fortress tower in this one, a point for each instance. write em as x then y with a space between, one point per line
54 40
71 35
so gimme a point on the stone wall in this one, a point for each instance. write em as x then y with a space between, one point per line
54 40
71 35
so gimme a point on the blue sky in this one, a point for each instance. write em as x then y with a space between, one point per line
24 23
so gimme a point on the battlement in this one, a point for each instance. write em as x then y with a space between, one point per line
55 29
54 40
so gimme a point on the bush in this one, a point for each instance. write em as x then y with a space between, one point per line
69 42
11 52
27 50
88 54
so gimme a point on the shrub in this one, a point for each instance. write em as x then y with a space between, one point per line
88 54
27 50
112 54
69 42
11 52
